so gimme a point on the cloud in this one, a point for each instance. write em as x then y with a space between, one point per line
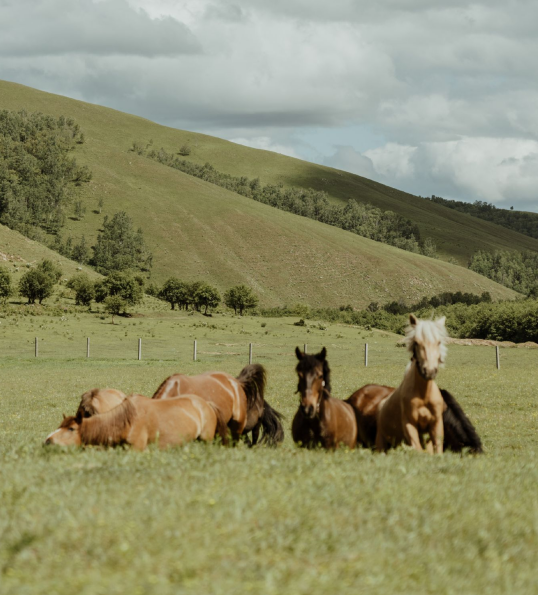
499 170
110 27
266 144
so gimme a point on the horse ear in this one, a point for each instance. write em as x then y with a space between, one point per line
299 353
322 355
413 320
78 417
440 322
64 415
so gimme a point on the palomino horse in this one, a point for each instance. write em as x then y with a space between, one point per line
320 419
139 421
99 400
239 401
416 407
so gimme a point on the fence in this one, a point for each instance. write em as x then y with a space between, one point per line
160 349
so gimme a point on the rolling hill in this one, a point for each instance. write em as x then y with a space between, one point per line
200 231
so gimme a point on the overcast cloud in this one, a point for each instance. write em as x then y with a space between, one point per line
431 99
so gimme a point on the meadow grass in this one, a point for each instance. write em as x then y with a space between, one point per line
208 519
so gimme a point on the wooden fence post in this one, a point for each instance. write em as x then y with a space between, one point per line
139 349
88 347
250 353
36 347
366 355
194 351
498 357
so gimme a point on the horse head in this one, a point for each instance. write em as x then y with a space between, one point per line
313 372
68 434
426 339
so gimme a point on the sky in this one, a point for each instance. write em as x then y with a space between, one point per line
429 97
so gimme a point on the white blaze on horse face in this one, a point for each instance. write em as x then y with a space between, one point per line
52 434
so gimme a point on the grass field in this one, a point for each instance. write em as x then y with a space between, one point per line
212 520
199 231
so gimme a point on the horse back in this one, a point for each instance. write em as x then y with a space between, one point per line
341 425
365 403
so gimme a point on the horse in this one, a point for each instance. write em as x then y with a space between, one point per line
99 400
239 401
320 418
139 421
416 407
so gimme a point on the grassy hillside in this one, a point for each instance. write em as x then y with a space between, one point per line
17 251
200 231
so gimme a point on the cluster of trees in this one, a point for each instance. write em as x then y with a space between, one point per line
521 221
363 219
37 284
119 247
517 270
38 176
198 295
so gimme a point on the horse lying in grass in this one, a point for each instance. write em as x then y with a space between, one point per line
239 401
418 408
99 400
320 419
139 421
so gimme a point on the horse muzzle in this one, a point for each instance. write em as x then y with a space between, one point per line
309 411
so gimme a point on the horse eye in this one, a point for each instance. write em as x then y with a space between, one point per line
71 429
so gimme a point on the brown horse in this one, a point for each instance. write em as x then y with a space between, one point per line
139 421
320 419
415 408
239 401
99 400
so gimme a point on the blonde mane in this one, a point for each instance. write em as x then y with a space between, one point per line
427 332
108 428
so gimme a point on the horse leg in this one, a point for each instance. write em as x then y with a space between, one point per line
437 435
412 436
255 433
380 442
139 439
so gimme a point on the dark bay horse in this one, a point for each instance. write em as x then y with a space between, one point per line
320 419
139 421
239 401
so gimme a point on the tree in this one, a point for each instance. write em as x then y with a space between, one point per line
6 289
100 204
50 268
119 284
240 297
119 247
36 285
185 150
174 292
80 210
81 252
84 289
114 305
207 297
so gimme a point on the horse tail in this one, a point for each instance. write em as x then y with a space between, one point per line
252 379
459 431
273 432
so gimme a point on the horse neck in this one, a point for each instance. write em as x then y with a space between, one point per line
108 428
324 404
414 383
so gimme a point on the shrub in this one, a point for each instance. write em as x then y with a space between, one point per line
114 305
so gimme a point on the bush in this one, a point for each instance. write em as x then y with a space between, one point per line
119 284
84 289
114 305
36 285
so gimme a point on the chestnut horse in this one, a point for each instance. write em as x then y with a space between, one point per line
415 408
139 421
320 418
239 401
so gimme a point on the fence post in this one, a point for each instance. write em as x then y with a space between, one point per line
250 353
194 351
498 357
88 347
36 347
305 348
139 349
366 355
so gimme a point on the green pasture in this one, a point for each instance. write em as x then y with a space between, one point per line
207 519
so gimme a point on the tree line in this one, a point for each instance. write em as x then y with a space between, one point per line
516 270
359 218
521 221
38 175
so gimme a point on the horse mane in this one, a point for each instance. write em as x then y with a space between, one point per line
108 428
427 331
86 407
327 375
252 379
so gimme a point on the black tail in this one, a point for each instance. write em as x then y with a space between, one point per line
252 379
459 431
273 432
